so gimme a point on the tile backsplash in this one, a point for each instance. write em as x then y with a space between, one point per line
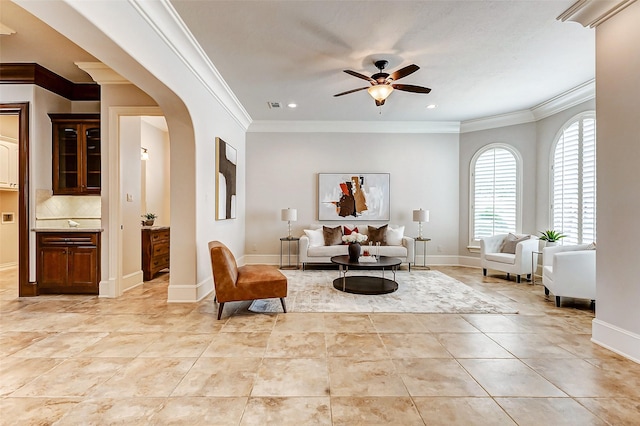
53 211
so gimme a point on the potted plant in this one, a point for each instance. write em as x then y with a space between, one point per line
550 237
149 218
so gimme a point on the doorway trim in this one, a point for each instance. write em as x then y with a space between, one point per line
25 288
112 285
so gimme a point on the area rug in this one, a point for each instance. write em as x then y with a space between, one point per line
418 292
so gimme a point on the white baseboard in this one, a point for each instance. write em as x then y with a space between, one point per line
616 339
186 293
107 288
132 280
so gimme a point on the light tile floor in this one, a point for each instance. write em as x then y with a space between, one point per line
73 360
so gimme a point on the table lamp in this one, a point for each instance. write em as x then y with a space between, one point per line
289 215
420 216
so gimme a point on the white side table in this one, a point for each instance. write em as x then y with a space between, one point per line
534 265
424 242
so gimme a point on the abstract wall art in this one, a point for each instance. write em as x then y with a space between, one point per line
226 164
353 196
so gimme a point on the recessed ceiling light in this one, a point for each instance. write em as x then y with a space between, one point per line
432 106
292 105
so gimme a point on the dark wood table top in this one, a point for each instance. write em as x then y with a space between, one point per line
382 262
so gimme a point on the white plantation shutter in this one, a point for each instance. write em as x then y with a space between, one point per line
574 181
495 193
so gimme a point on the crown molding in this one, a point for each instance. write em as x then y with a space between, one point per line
166 22
495 121
591 13
283 126
101 73
566 100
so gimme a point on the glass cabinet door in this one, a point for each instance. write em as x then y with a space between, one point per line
92 157
68 159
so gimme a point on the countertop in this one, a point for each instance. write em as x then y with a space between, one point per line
68 229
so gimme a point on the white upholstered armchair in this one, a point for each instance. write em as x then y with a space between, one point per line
495 254
569 271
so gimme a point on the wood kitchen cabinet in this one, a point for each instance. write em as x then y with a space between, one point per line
76 154
155 250
68 262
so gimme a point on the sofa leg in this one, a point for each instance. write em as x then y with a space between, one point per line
528 277
518 279
484 272
557 301
546 291
593 304
220 308
508 276
409 266
284 307
303 265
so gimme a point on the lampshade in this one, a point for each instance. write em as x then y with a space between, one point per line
380 92
289 215
421 215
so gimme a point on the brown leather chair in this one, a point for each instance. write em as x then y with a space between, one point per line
249 282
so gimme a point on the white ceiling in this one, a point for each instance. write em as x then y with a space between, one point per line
480 58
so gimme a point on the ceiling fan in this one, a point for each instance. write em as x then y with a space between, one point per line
382 83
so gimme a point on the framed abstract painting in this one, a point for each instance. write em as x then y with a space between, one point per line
226 164
353 196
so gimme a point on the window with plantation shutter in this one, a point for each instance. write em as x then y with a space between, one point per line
573 191
495 192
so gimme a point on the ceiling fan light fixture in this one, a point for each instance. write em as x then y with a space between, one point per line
380 92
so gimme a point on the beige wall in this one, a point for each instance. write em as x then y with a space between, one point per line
9 231
282 171
617 323
156 188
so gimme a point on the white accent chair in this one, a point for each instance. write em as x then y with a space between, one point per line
569 271
518 263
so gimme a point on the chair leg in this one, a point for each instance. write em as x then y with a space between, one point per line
528 277
215 298
557 301
484 272
220 308
284 307
546 291
518 279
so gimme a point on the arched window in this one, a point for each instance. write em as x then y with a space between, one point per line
573 180
495 192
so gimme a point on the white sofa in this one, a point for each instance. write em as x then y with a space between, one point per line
316 252
518 262
569 271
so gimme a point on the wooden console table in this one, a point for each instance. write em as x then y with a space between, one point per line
155 250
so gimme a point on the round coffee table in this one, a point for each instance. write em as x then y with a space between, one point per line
365 284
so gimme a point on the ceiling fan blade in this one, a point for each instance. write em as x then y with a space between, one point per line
357 74
411 88
350 91
403 72
380 103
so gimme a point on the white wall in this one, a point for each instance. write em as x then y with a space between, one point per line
156 188
131 202
522 137
617 323
282 170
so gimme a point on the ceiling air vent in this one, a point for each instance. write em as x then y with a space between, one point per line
274 105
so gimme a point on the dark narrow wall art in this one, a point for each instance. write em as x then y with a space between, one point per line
226 164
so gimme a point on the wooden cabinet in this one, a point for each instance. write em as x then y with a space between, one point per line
68 262
8 165
155 250
76 154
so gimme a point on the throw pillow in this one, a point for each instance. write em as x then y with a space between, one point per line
378 235
316 237
348 231
332 236
394 236
591 246
510 241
